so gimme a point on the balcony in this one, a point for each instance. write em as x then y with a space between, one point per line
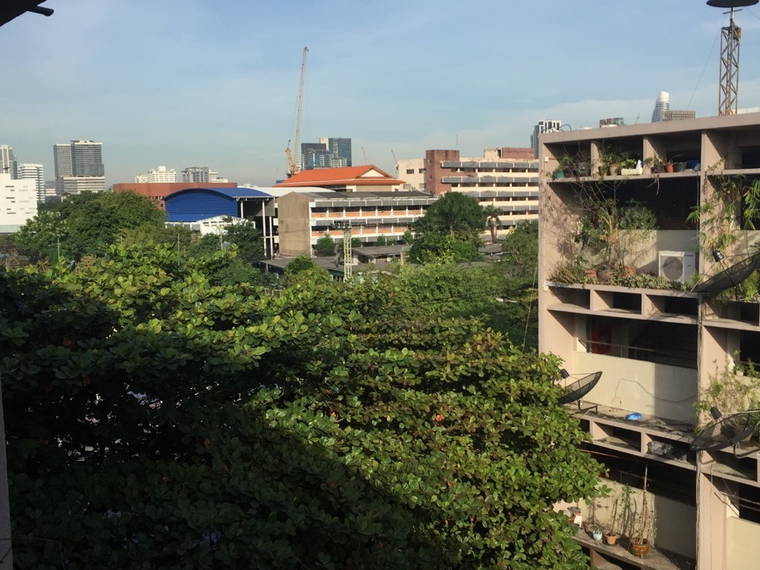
483 180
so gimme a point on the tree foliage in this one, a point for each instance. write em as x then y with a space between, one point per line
436 247
85 224
157 419
454 214
325 246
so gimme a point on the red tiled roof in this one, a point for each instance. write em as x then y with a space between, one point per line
348 175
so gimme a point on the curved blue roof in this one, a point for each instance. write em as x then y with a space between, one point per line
193 204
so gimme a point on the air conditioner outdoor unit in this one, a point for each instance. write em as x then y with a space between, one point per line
676 265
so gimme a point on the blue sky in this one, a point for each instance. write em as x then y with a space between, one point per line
214 82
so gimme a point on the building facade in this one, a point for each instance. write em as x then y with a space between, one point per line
661 106
199 174
82 160
304 217
626 306
412 172
8 164
329 152
505 178
543 126
36 172
160 175
18 202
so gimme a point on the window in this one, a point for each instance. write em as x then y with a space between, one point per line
410 170
421 170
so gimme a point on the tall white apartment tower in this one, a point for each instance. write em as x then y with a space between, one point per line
36 172
661 106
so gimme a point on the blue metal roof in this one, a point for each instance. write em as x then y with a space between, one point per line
228 192
193 204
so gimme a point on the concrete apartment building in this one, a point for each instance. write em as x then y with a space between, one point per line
304 217
660 346
18 202
506 178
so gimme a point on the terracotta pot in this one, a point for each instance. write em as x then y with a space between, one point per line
669 167
640 550
629 270
611 539
591 274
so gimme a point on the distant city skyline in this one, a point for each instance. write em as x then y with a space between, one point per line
405 85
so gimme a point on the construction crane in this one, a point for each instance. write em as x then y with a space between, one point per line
293 161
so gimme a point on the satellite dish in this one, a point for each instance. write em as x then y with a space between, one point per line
731 3
725 431
575 391
730 277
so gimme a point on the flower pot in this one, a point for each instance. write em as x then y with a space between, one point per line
604 273
669 167
640 549
611 539
614 169
559 174
591 275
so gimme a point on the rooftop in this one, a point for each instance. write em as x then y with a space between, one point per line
364 175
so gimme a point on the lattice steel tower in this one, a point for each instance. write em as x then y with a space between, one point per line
730 37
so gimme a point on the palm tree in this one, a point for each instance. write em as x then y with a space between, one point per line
492 220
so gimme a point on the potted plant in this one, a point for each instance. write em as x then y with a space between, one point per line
669 166
613 533
643 525
655 164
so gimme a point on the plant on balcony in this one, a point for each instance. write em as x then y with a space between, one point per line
613 530
605 229
643 529
733 389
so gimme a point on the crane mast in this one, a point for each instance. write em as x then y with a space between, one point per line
294 161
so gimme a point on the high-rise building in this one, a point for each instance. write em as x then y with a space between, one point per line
62 160
661 106
18 202
87 158
157 175
329 152
339 149
79 159
542 126
36 172
8 163
196 174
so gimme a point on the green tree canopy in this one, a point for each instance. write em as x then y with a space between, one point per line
158 420
85 224
454 214
325 246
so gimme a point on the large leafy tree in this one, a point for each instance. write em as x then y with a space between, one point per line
156 419
85 224
454 214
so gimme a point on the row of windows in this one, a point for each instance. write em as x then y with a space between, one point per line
411 171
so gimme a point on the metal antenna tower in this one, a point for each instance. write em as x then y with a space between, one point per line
730 37
347 254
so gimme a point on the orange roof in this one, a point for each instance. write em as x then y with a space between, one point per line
348 175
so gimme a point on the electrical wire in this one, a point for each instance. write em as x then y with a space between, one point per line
701 76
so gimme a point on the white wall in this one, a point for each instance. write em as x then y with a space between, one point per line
743 544
18 201
645 387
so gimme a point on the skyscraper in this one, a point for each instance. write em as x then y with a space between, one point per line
661 106
196 174
80 159
87 158
339 149
160 174
543 126
8 161
329 152
36 172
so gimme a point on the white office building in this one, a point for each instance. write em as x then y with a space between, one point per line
79 184
661 107
7 161
18 202
36 172
543 126
157 175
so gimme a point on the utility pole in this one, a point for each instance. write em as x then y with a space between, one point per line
347 255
